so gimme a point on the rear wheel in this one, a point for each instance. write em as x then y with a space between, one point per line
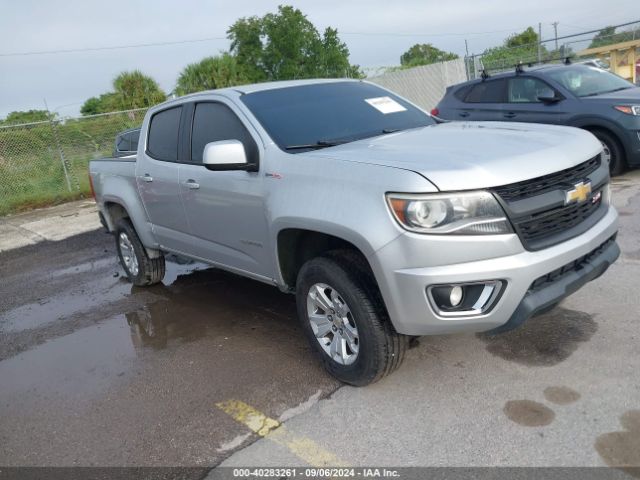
345 321
612 152
140 269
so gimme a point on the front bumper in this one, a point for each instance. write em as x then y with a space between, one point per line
457 259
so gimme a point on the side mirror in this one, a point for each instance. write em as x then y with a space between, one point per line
548 96
225 155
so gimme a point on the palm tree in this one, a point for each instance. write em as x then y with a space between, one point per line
210 73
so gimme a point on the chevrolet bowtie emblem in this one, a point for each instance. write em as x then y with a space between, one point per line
579 194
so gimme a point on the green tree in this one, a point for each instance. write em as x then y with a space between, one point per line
286 45
525 39
246 45
608 36
425 54
131 90
521 47
91 106
136 90
28 116
209 73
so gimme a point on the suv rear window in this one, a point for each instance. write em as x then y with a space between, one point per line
490 91
163 134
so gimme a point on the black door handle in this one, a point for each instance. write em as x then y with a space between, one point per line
464 114
509 115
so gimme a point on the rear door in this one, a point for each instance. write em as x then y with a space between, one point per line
483 101
158 179
523 104
225 209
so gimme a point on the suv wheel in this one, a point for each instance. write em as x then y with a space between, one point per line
345 321
140 269
612 152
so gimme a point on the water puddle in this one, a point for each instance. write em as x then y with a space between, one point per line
561 395
85 361
544 340
622 449
528 413
89 296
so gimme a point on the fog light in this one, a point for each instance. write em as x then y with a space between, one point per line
464 299
455 297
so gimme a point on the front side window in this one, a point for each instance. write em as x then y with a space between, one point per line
527 90
488 91
320 115
162 143
213 122
584 81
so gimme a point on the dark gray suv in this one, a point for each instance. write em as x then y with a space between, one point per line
575 95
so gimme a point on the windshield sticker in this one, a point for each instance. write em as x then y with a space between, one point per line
385 105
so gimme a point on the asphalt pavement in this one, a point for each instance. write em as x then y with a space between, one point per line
212 369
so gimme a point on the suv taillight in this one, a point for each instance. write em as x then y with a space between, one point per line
435 112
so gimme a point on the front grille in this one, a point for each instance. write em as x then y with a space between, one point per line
537 209
556 221
546 183
577 264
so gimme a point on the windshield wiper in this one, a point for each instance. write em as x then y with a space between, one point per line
315 146
605 92
332 143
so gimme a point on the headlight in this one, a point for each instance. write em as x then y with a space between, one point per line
465 213
628 109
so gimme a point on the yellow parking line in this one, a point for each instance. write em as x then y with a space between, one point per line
301 446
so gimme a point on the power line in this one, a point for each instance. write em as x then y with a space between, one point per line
393 34
208 39
179 42
115 47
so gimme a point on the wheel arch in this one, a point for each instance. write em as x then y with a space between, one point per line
113 210
295 246
596 123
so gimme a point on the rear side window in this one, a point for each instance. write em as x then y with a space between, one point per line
462 92
491 91
128 141
163 134
213 122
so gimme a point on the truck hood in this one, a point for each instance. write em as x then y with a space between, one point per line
470 155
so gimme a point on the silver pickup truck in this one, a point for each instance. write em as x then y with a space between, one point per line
384 223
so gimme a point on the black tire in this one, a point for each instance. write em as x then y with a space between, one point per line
150 270
381 349
617 164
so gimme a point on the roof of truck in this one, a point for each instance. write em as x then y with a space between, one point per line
259 87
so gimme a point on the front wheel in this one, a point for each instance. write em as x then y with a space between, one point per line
344 319
612 152
139 267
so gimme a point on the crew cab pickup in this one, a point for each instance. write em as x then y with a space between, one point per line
384 223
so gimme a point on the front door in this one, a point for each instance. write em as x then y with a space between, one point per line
225 209
523 104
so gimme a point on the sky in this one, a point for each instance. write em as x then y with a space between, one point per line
376 32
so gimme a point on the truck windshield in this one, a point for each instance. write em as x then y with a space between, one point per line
584 81
322 115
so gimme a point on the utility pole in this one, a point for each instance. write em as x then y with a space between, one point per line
467 68
555 29
539 42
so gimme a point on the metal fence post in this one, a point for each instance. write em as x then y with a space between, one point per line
56 139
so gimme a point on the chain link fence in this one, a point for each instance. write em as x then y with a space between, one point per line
423 85
551 50
47 162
